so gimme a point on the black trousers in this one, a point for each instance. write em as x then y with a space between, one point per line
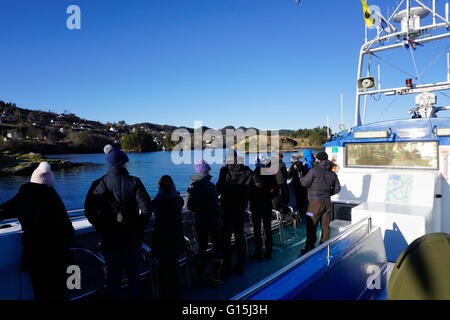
264 215
48 278
321 212
117 260
169 279
234 224
204 233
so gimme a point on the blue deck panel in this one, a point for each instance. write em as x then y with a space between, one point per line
344 278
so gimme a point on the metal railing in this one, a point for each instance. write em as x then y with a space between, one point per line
311 253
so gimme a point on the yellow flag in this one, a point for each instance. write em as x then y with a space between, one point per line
368 17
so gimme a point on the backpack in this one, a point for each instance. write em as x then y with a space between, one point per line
117 213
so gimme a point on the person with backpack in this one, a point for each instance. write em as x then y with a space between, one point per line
202 199
264 189
119 208
233 187
47 233
321 183
168 237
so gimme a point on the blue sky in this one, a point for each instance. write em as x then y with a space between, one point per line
262 63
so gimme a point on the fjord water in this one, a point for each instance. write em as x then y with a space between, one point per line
73 184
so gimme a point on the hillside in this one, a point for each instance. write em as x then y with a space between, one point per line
46 132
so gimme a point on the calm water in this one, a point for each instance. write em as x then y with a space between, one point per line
73 184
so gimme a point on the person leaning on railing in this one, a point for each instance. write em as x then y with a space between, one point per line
321 183
47 233
202 199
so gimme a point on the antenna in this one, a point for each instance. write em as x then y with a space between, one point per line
328 129
342 125
446 11
379 77
448 66
434 12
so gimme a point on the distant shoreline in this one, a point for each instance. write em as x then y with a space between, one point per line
23 164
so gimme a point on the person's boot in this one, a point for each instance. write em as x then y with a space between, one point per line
257 256
218 279
305 251
227 270
239 269
201 266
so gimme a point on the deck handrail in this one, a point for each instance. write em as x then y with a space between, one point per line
263 283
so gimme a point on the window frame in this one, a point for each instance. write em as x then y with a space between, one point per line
436 143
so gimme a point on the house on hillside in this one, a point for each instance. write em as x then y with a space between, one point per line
13 135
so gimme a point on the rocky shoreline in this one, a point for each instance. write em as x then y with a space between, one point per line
22 164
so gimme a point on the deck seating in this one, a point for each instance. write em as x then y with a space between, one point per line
402 204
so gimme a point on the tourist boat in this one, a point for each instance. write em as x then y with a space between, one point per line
395 188
394 176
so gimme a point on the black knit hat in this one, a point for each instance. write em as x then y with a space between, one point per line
322 156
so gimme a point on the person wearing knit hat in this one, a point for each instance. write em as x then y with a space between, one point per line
47 233
119 208
43 175
322 156
115 157
201 198
201 166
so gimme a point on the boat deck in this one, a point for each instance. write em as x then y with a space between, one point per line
255 271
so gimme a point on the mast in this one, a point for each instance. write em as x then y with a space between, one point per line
410 36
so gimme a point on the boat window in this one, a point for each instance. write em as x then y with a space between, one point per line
393 154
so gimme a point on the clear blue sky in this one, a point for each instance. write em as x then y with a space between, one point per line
263 63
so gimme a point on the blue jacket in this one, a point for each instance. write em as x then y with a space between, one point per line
309 159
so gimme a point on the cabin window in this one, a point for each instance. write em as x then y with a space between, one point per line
393 154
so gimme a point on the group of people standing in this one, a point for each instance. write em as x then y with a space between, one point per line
119 208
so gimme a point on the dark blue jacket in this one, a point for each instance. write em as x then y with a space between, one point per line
233 186
118 187
202 199
168 235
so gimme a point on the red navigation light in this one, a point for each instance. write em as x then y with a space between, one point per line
409 83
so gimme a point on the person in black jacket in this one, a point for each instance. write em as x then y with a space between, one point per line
168 237
281 201
264 189
119 207
233 187
47 233
321 183
202 199
296 170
